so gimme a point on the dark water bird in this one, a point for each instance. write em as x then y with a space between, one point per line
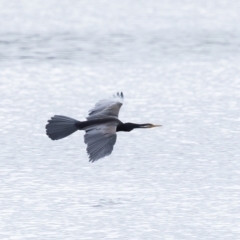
100 128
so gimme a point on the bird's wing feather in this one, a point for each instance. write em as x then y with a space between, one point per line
107 107
100 140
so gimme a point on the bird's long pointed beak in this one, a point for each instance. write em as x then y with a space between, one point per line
156 125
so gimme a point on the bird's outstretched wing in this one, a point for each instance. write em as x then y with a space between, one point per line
100 140
107 107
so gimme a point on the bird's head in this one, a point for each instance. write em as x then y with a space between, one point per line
127 127
148 125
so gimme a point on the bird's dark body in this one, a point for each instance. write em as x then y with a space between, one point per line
97 121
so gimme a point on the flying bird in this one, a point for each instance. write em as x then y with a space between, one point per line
100 128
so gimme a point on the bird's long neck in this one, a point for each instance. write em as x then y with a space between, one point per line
127 127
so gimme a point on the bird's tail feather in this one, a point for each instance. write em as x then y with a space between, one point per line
60 127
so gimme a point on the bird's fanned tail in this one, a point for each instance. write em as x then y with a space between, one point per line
60 127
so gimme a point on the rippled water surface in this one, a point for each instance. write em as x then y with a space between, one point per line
177 63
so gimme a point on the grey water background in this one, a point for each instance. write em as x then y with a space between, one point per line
177 63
